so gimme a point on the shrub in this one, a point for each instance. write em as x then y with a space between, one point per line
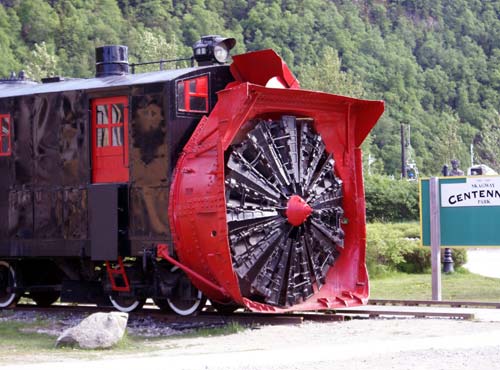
387 245
389 200
396 247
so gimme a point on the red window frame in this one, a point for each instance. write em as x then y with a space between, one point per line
5 136
101 154
196 87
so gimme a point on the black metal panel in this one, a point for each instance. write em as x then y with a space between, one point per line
23 140
75 136
4 213
148 151
44 248
20 214
6 173
149 212
103 221
48 214
75 214
83 292
46 123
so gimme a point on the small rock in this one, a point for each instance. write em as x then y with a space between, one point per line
100 330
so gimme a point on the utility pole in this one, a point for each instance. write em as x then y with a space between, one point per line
403 152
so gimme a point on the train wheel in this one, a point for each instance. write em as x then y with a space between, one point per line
162 304
186 299
187 307
45 299
8 285
284 211
127 304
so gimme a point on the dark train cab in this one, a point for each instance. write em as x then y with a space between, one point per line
85 164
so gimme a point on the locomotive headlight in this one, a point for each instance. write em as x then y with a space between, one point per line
221 53
212 49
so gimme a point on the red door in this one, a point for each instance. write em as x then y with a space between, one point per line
110 139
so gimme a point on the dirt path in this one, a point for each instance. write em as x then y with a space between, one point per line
353 345
484 262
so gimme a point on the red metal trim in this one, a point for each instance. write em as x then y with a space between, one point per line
271 68
162 252
8 136
118 271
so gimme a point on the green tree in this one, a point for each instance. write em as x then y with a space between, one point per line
39 21
327 75
43 63
152 47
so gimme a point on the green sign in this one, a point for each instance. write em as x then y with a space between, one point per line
469 210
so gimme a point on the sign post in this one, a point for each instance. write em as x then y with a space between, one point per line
435 230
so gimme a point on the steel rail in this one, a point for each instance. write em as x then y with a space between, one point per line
411 302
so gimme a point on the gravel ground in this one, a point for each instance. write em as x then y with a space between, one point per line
351 345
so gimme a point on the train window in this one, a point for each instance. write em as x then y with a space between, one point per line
117 136
117 113
102 124
102 114
102 137
192 95
5 135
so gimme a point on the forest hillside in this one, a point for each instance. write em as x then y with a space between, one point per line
436 63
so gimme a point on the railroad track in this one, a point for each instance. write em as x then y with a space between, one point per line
211 318
409 302
207 318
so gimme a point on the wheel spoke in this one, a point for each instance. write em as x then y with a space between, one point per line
250 246
329 224
322 180
263 142
242 172
271 278
292 165
299 276
312 150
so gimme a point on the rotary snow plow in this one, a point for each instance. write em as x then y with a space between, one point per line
267 203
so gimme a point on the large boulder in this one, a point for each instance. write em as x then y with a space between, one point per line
99 330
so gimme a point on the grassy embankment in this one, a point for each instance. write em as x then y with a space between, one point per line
394 248
22 339
460 286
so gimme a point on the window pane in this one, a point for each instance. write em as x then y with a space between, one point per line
197 104
118 136
192 86
117 113
102 137
180 96
5 126
102 115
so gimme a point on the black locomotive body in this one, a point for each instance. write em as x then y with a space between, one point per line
85 171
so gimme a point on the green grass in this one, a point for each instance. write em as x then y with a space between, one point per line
231 328
13 338
460 286
19 339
